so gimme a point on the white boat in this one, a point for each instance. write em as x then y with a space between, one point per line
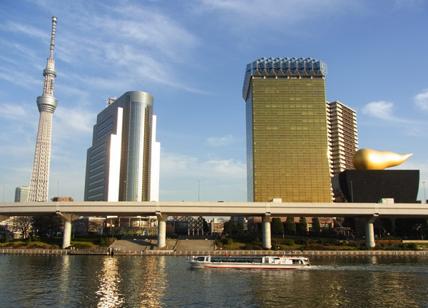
253 262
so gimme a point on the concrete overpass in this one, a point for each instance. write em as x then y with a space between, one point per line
72 210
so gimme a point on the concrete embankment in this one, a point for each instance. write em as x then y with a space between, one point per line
289 253
33 251
308 253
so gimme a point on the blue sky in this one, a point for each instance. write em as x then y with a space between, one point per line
191 56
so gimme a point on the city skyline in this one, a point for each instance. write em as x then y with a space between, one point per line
391 100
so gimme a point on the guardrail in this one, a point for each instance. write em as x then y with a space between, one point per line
309 253
33 252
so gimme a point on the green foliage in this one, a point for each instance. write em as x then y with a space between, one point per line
40 245
290 226
82 244
302 226
235 229
289 242
226 241
28 245
316 226
106 241
277 226
253 246
47 226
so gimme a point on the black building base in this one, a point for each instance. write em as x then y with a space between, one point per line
373 185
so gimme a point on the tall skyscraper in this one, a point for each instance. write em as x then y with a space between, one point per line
123 162
46 103
286 119
343 136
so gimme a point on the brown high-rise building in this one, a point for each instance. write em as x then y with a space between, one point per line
343 136
286 119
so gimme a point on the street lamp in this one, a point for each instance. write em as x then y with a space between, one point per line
199 190
425 196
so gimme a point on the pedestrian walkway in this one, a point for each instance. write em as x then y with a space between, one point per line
194 245
131 245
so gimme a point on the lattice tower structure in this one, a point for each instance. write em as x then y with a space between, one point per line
46 103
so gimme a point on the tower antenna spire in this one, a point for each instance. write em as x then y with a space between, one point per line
53 33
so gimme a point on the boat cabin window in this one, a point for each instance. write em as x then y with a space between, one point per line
200 259
297 261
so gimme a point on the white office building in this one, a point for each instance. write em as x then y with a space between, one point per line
124 160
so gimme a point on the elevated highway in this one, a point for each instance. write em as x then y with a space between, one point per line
72 210
174 208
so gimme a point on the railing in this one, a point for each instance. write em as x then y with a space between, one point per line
114 252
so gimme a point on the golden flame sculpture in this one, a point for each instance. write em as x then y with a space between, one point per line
369 159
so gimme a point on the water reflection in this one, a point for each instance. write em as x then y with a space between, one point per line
109 279
154 282
90 281
64 278
362 282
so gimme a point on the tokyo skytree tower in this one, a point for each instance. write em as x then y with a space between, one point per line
46 103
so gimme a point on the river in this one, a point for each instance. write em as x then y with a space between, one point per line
97 281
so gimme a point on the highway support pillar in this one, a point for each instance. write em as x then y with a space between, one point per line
161 230
68 221
370 238
267 244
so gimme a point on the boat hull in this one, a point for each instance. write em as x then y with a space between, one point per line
199 265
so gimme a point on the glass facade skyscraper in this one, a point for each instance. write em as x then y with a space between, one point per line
123 162
287 131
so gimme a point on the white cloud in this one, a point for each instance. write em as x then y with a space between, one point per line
379 109
29 53
19 79
272 12
219 141
22 150
384 110
73 120
139 45
176 165
421 100
12 111
26 29
218 179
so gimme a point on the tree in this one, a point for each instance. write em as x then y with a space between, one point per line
302 226
234 227
316 226
47 226
277 226
290 226
22 224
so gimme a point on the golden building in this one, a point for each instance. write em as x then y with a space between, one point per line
286 118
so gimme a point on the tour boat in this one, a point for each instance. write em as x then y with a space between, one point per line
253 262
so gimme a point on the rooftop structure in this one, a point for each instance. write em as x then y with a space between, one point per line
283 67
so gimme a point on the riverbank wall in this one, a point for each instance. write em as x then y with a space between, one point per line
309 253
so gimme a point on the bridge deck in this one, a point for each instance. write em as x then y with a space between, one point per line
103 208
